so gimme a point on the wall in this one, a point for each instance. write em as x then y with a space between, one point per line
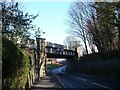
70 64
106 65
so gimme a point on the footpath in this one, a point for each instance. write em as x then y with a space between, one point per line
48 82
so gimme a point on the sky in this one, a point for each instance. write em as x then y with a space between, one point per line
52 19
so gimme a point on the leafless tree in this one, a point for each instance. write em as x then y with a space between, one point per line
84 24
72 41
79 15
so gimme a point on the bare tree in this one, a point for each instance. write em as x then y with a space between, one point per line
79 15
83 20
72 41
93 33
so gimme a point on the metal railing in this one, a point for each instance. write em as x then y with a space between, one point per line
60 51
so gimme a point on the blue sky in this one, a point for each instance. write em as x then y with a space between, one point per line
52 18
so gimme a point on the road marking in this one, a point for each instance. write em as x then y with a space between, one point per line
74 76
101 85
60 81
79 78
90 82
84 79
93 83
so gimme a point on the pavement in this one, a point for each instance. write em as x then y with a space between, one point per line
48 82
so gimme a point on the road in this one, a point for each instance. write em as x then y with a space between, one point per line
83 81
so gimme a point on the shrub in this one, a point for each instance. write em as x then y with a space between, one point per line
15 66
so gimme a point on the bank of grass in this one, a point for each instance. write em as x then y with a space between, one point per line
51 66
15 66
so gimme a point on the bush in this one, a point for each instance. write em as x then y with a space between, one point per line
15 66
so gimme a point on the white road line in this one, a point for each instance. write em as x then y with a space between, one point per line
93 83
82 79
79 78
101 85
75 76
60 81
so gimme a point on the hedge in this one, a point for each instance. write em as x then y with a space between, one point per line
15 66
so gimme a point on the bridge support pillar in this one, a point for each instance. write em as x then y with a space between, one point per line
71 62
43 67
42 58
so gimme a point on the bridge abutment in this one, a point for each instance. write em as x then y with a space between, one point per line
71 64
42 58
53 51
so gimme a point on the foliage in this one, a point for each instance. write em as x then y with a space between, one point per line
15 66
106 18
16 24
96 23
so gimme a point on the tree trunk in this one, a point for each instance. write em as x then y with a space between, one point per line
85 46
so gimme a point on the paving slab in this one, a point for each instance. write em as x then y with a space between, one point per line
48 82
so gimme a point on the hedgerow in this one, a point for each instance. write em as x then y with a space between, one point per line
15 66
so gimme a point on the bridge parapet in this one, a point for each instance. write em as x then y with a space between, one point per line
50 44
59 51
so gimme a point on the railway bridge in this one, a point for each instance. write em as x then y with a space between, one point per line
46 50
